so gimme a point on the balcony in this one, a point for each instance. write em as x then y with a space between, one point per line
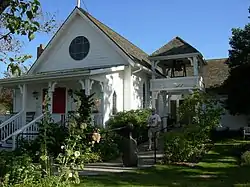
177 84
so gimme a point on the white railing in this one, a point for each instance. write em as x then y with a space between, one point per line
5 117
8 127
175 84
29 129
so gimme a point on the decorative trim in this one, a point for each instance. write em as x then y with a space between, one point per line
91 84
82 84
102 86
52 86
21 88
155 94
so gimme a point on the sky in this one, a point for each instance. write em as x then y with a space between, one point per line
149 24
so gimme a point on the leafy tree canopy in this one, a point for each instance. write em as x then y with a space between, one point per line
237 86
21 18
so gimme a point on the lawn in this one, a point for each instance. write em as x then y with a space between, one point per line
220 167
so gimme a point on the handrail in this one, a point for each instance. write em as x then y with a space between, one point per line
155 142
28 125
11 119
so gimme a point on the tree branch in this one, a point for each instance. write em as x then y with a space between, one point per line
3 5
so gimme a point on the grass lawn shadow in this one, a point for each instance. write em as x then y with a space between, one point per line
217 168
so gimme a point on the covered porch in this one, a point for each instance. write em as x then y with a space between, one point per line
29 92
181 66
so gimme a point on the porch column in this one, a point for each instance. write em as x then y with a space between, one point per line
50 95
127 89
102 84
177 109
195 65
165 109
154 97
23 90
88 86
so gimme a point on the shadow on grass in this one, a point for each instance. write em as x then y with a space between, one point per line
218 168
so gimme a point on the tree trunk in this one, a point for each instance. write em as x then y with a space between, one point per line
3 5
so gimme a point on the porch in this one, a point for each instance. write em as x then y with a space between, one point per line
28 98
181 67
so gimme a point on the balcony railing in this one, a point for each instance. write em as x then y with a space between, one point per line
177 84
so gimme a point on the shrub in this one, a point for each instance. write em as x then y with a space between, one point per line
42 182
108 148
179 147
200 115
18 168
137 117
245 158
57 133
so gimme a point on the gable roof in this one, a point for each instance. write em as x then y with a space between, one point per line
129 48
175 47
215 72
133 52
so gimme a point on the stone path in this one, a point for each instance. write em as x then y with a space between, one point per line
146 160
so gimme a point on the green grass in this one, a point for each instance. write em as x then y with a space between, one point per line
220 167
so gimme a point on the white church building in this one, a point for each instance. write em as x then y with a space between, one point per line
86 54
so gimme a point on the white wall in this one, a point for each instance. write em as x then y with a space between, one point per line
138 79
113 82
101 52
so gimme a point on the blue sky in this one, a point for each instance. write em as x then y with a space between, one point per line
149 24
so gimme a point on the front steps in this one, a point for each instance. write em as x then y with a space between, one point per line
7 145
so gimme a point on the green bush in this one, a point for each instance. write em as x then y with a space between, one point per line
18 168
57 133
200 114
245 158
108 148
42 182
137 117
180 147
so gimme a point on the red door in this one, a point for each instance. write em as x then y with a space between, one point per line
59 101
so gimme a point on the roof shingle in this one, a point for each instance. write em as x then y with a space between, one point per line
130 49
215 72
174 47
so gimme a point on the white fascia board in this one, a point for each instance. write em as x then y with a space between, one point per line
107 70
42 77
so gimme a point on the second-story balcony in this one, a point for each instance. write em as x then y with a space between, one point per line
177 84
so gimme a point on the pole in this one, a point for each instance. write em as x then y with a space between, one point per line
78 3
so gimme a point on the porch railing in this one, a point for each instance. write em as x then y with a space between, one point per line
31 129
180 83
8 127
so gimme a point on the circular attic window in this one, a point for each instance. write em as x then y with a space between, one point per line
79 48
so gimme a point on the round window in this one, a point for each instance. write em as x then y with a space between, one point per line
79 48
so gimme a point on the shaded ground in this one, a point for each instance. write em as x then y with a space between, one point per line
220 167
146 160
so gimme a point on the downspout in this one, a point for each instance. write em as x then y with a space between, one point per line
138 70
141 67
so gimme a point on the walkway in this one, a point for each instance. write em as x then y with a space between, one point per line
146 159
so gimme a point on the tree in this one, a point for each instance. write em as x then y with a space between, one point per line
21 18
237 86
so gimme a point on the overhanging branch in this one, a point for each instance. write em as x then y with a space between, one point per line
3 5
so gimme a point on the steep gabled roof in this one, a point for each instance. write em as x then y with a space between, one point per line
130 49
133 52
175 47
